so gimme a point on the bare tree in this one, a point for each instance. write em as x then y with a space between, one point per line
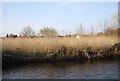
115 20
92 29
79 29
27 31
111 26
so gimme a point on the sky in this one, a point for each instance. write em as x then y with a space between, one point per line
63 16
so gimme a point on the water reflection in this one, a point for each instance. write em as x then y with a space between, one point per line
65 70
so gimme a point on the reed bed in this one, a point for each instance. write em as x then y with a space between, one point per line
50 45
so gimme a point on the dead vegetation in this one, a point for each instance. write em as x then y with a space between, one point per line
52 49
51 45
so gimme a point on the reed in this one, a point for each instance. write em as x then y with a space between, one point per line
50 45
52 49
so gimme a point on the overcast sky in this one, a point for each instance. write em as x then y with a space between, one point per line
63 16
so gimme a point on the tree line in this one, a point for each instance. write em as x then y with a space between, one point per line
45 31
110 27
49 31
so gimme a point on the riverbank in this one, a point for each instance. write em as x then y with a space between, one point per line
10 58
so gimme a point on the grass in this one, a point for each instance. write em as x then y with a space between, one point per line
52 49
50 45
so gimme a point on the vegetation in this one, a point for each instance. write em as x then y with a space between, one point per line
79 29
27 31
52 44
45 31
22 50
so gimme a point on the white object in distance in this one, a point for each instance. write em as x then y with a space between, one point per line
77 37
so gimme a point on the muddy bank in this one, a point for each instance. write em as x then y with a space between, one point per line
10 58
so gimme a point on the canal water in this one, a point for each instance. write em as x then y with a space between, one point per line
99 69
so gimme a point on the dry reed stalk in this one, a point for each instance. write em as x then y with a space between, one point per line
53 44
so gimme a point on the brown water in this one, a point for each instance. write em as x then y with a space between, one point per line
65 70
